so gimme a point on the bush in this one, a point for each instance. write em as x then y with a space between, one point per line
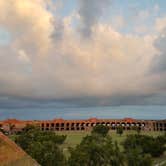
137 129
149 145
135 157
96 151
119 130
100 129
42 146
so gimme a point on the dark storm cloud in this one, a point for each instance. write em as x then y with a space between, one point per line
22 102
15 102
90 11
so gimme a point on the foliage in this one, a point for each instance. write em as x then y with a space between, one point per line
149 145
99 150
119 130
42 146
137 129
96 151
135 157
140 148
101 130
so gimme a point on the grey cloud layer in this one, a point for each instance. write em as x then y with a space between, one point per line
160 59
46 60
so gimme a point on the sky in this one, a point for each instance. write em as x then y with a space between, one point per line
58 53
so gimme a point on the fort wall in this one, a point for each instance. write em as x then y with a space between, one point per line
14 125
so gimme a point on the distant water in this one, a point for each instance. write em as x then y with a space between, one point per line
138 112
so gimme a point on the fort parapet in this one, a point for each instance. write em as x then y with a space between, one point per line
14 125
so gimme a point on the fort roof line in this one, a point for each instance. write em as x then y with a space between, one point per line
90 119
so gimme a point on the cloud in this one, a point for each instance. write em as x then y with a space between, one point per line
23 56
46 60
90 12
158 66
26 20
4 37
156 8
144 14
159 61
160 24
118 22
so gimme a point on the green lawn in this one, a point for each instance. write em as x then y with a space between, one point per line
75 137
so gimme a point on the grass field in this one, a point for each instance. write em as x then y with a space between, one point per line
75 137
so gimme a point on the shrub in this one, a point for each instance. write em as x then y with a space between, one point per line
42 146
100 129
119 130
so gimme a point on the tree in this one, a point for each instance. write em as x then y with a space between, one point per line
119 130
137 129
101 130
46 153
135 157
148 144
95 150
42 146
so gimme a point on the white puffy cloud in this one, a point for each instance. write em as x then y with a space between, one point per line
48 59
28 22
